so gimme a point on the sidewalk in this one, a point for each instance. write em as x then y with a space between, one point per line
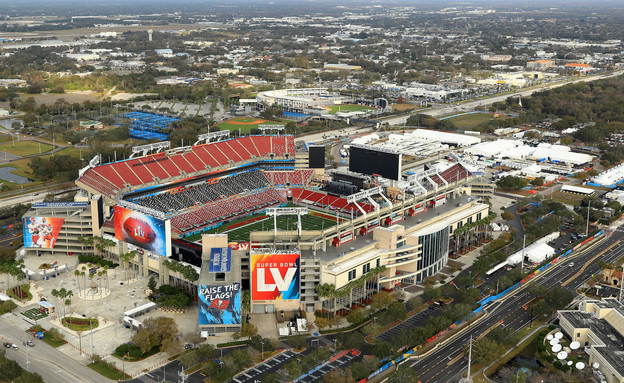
465 262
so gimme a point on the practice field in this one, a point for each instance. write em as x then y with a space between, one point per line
238 231
245 124
333 109
24 148
471 121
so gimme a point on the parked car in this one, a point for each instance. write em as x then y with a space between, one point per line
7 344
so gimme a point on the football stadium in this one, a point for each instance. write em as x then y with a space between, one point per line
252 213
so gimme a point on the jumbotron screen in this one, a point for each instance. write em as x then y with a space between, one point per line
369 161
316 157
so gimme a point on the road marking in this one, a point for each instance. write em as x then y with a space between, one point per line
490 329
587 264
455 359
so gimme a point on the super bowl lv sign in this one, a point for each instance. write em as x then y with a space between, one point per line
275 276
219 304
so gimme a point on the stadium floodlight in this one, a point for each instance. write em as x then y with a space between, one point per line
270 127
95 161
367 194
376 148
146 149
141 209
212 136
275 211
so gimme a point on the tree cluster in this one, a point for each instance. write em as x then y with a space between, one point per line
161 332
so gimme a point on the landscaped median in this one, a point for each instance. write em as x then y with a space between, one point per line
21 292
52 337
107 369
80 324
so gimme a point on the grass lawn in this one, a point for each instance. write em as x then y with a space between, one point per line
470 121
24 148
80 324
22 168
5 138
245 124
47 337
106 369
348 108
241 234
567 198
52 342
153 351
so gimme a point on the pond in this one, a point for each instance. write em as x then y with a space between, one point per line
5 174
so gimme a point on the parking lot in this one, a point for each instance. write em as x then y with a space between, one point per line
341 360
414 321
270 365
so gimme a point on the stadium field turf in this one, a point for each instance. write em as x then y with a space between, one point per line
241 233
245 124
348 108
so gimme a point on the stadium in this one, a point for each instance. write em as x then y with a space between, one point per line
252 213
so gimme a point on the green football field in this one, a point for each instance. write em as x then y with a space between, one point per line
241 233
245 124
349 108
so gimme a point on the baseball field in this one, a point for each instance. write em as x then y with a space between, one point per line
245 124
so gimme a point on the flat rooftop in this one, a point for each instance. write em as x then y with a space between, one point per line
613 349
333 253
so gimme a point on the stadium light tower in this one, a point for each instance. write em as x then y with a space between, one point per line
270 127
298 211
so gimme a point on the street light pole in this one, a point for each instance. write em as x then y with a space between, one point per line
91 329
469 361
262 352
587 228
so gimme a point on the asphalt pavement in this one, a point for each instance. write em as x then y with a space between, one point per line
52 365
446 363
470 105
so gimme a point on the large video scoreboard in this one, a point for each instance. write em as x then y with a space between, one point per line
369 160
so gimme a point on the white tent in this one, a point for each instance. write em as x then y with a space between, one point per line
535 252
492 148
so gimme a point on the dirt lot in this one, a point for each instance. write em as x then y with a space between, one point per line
71 97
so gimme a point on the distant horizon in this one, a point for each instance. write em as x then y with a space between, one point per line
79 5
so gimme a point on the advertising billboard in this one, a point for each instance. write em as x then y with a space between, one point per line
41 231
141 230
219 304
275 276
220 259
239 245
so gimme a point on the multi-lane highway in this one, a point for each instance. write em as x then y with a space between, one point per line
50 363
470 105
446 363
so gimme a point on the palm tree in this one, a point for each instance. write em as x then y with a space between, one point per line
68 303
106 273
126 257
55 294
84 279
77 274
